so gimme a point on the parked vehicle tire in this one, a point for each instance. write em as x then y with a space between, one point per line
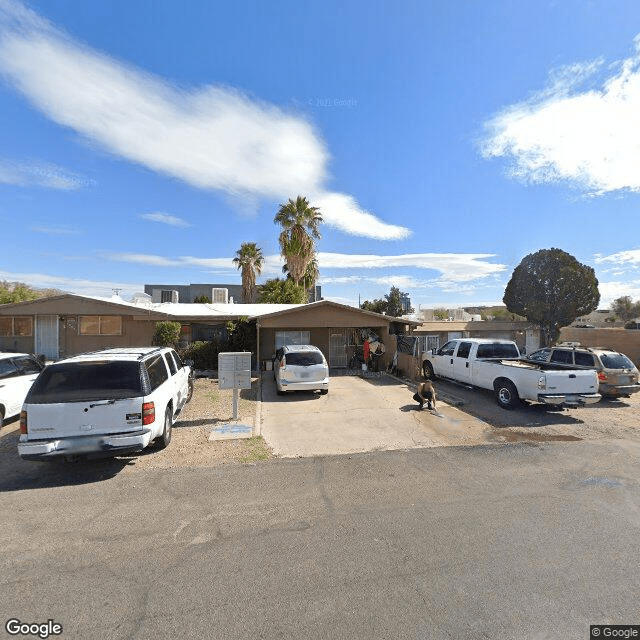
427 370
506 394
279 391
165 438
190 392
1 417
324 391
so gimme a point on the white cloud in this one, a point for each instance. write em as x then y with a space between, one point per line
453 267
631 257
212 138
165 218
610 291
79 286
587 136
56 231
39 174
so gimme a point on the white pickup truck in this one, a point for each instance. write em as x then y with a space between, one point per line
496 365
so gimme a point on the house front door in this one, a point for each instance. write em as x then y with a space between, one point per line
47 336
338 348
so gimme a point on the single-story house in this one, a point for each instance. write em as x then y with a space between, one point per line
434 334
69 324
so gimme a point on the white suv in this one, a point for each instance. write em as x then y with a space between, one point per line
110 402
17 373
300 367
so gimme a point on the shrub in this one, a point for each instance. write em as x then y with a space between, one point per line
203 354
166 334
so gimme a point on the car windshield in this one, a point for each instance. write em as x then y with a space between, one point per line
616 361
86 381
303 359
497 350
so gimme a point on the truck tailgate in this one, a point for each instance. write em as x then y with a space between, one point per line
571 381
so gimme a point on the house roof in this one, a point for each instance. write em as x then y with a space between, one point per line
188 311
336 305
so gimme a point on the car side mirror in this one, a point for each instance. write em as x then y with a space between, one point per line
189 363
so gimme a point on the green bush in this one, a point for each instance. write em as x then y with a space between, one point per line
203 354
167 334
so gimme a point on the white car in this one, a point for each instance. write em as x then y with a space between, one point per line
300 367
17 373
108 402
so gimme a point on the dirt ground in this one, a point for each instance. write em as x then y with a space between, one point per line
210 407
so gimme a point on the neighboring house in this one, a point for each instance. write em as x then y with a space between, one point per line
598 319
69 324
434 334
217 293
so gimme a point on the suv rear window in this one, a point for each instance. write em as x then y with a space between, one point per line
615 361
497 350
304 359
86 381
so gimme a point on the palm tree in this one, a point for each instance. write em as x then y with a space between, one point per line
249 258
300 225
311 275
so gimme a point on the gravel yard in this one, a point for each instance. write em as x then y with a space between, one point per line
190 445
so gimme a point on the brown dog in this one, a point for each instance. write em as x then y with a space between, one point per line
426 393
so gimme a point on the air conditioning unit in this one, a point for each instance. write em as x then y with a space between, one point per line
165 295
220 296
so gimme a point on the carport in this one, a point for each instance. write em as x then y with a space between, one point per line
334 328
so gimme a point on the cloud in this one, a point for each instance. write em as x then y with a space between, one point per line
455 267
39 174
79 286
631 257
165 218
56 231
452 267
610 291
588 136
214 137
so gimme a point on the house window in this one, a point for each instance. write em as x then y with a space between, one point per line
284 338
100 325
426 343
16 327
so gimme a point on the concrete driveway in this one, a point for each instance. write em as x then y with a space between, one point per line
360 414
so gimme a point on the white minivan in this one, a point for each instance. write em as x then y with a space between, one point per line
108 402
17 373
300 367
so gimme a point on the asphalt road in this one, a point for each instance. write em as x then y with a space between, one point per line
528 541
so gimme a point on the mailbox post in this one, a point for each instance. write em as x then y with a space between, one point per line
234 372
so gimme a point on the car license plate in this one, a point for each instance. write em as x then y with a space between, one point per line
305 374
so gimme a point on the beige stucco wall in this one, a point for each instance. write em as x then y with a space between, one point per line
135 333
626 341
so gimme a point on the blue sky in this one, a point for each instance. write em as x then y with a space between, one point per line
144 141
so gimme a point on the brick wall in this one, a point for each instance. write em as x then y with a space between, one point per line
626 341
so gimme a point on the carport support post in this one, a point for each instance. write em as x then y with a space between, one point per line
235 403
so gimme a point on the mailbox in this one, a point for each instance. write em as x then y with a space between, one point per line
234 370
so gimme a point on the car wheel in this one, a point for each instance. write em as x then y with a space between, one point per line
280 392
427 370
165 438
190 392
324 391
1 417
506 394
